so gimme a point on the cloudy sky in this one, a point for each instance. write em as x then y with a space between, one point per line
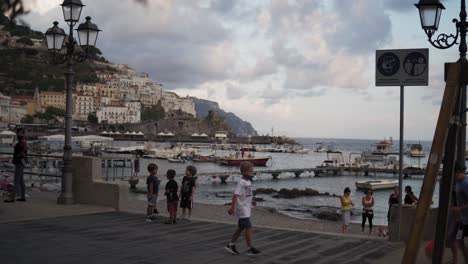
304 67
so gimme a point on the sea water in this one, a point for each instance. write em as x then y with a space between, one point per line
211 191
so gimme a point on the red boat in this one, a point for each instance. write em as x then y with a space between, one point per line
238 161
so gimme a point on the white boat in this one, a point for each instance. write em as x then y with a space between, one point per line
376 184
176 160
7 141
415 150
381 150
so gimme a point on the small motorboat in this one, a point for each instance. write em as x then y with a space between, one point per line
205 159
176 160
238 161
376 184
416 150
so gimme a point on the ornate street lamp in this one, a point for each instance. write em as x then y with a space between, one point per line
55 36
430 12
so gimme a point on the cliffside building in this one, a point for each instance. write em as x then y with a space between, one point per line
172 102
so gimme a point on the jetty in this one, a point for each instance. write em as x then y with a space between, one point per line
321 171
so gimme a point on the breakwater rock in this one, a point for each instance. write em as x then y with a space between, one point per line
291 193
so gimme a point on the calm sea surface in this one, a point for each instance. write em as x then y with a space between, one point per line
212 192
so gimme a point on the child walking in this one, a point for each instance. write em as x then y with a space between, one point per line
242 207
152 183
187 190
172 197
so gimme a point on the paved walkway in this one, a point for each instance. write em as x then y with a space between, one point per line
43 205
126 238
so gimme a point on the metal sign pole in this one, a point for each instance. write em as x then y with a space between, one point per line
400 167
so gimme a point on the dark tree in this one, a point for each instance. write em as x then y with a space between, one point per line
92 118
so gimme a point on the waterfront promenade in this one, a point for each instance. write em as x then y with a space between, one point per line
40 231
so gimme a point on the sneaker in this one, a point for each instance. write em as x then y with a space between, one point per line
150 219
21 200
9 201
253 251
232 249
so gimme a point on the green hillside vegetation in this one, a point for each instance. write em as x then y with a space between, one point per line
23 68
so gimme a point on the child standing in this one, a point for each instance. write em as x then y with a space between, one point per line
187 190
242 206
172 197
152 183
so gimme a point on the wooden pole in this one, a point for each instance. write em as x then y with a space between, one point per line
433 166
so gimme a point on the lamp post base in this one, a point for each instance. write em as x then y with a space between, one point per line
65 200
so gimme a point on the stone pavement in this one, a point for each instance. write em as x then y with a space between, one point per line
116 237
43 205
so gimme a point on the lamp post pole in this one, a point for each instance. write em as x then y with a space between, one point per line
66 195
462 48
87 36
430 13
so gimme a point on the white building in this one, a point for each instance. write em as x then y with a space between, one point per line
17 111
88 89
4 108
172 102
83 106
120 113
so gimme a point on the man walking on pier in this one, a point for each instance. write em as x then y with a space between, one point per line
242 207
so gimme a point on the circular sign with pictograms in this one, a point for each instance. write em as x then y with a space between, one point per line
415 64
388 64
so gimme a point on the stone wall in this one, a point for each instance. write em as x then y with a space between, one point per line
408 214
90 188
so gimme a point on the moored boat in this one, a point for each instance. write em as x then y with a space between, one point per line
376 184
380 152
415 150
176 160
238 161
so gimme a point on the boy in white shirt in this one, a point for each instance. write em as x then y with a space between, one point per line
242 207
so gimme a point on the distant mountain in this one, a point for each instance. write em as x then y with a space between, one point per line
238 126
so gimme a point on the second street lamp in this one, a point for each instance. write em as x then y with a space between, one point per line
87 34
430 12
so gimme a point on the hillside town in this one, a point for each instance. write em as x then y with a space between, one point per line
117 99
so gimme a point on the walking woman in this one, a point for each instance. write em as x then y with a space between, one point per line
410 198
367 211
20 159
346 204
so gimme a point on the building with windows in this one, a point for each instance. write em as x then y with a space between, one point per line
172 102
4 108
54 99
120 113
83 105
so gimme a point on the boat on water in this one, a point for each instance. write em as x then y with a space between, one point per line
7 141
205 159
176 160
233 161
376 184
381 150
415 150
321 148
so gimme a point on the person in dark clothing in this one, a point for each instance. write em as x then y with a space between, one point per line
367 210
187 190
393 200
20 159
172 197
410 198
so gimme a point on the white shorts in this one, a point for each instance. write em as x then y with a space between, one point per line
346 215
